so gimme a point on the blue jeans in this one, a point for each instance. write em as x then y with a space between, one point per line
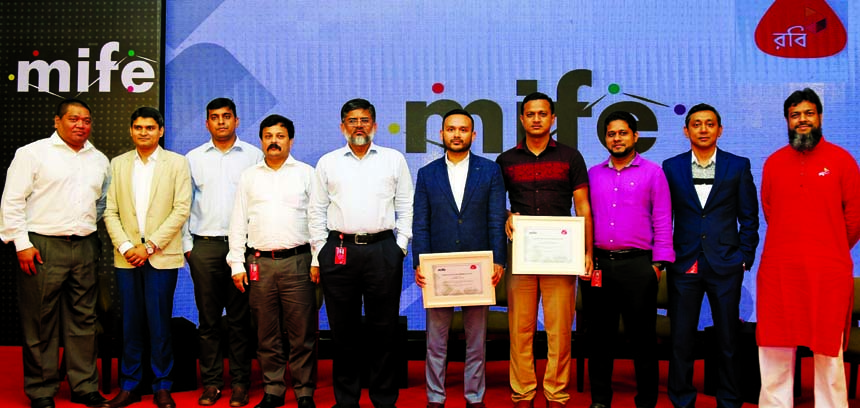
147 303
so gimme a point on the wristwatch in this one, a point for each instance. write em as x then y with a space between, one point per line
149 248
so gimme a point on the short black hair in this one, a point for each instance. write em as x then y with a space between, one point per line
797 97
537 96
620 115
63 106
702 107
147 112
357 103
219 103
273 120
463 112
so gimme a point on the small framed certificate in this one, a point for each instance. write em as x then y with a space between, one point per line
458 279
548 245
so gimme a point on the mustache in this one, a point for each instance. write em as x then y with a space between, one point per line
273 146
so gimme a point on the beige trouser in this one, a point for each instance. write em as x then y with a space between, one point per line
777 379
559 302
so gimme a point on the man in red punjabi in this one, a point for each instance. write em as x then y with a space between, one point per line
811 199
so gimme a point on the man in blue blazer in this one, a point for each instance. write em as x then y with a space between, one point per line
715 210
459 206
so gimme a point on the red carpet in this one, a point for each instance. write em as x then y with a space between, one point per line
11 387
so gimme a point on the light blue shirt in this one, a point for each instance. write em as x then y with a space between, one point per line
214 176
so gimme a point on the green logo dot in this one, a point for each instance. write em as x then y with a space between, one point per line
130 53
614 88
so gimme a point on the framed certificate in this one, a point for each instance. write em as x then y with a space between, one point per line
548 245
458 279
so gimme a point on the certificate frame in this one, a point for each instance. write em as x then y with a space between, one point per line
483 265
528 226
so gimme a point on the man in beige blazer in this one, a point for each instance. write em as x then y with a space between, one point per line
148 201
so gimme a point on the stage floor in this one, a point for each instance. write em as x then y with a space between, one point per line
12 394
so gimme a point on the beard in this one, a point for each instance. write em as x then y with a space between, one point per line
804 142
462 148
621 154
359 140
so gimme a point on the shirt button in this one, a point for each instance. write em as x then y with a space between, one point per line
611 224
613 204
615 189
611 240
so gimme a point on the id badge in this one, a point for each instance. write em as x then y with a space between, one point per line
693 269
597 278
254 272
340 255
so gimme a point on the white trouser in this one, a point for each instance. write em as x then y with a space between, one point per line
777 379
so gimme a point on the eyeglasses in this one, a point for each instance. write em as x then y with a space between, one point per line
356 121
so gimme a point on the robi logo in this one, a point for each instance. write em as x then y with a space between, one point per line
800 29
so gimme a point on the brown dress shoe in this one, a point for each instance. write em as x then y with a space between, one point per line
240 396
210 395
162 399
123 399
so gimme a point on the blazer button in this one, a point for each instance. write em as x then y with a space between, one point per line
703 236
703 215
460 221
457 241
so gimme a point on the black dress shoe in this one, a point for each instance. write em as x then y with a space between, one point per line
271 401
44 402
123 399
162 399
306 402
91 399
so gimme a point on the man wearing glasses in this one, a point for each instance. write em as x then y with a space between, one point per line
360 218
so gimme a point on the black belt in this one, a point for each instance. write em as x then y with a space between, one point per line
360 239
621 254
281 253
205 238
64 237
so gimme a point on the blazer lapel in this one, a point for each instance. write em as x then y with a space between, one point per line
444 185
472 179
127 173
157 176
722 166
687 178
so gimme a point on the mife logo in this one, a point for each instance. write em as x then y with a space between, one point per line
136 75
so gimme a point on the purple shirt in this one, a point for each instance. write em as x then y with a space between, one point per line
632 208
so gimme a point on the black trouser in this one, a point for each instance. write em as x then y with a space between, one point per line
213 292
630 290
373 272
685 303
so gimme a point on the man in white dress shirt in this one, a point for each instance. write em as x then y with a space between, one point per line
54 195
269 230
360 223
215 169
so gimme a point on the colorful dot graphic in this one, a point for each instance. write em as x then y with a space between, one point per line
394 128
11 77
35 53
130 53
438 88
130 88
680 109
614 88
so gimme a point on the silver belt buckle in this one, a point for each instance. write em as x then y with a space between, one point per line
358 239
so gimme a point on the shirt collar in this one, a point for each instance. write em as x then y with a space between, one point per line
637 159
346 151
521 145
237 145
464 162
710 161
56 140
289 162
152 157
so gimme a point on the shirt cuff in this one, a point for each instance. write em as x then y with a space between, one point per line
237 268
22 244
402 242
125 247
